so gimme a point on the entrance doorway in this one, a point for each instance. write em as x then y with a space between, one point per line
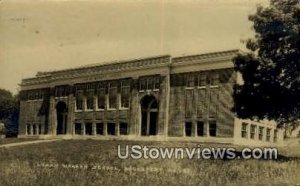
149 108
61 115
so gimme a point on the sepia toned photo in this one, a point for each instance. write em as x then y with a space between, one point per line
159 92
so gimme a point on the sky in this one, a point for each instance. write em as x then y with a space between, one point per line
45 35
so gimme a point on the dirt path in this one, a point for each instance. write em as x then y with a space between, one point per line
27 143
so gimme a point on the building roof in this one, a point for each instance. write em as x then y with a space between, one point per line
133 64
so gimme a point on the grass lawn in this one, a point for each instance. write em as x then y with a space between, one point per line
64 163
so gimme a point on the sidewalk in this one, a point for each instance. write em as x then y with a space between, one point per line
27 143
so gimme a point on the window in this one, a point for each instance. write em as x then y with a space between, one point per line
189 94
35 94
61 91
268 135
261 133
90 100
156 82
188 128
252 131
202 80
99 129
212 128
88 129
111 128
79 100
101 98
200 128
149 83
125 94
214 79
143 84
189 80
244 131
34 129
123 128
40 128
201 103
28 129
112 93
78 128
213 102
275 136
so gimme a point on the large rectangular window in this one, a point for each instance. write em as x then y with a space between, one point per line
90 100
111 128
112 95
78 128
261 133
212 128
213 102
28 129
79 100
125 93
99 129
214 79
268 137
244 132
201 103
149 83
202 78
189 99
200 128
88 129
275 136
123 128
61 91
190 81
252 131
101 98
188 128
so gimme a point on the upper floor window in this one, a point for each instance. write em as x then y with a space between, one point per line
268 137
190 80
214 79
150 83
79 100
101 98
275 135
112 95
202 77
90 100
244 130
125 93
252 131
261 133
61 91
35 95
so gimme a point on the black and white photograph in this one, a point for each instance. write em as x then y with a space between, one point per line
149 92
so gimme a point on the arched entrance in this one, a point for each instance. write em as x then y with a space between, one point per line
149 108
61 115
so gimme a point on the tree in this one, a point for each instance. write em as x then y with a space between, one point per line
9 112
271 68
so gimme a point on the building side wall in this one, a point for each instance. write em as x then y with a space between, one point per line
222 100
